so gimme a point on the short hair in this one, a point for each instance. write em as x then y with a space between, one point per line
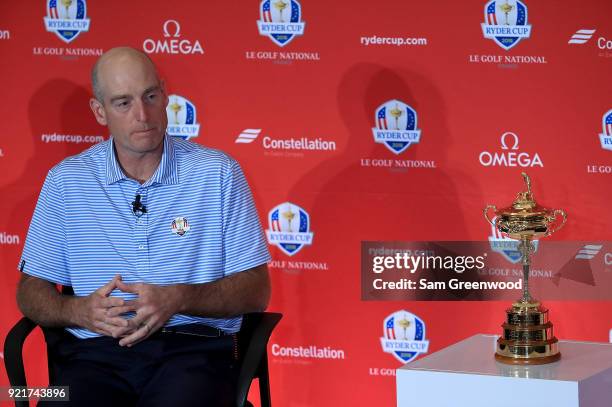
95 81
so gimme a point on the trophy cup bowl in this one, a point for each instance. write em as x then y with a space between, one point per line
528 337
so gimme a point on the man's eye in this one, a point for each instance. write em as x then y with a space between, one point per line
121 104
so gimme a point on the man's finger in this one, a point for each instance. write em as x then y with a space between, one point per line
103 328
108 288
121 332
141 333
136 322
117 322
112 330
109 302
128 288
116 311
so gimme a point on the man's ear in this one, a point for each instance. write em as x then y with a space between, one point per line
98 110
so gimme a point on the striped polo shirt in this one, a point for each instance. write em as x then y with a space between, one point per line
200 224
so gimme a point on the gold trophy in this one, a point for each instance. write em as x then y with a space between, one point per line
176 108
396 112
528 334
289 216
506 8
67 4
405 324
280 6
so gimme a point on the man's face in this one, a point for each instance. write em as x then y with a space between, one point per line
134 106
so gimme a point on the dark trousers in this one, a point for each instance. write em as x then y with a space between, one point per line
166 369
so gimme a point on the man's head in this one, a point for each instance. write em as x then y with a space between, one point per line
130 100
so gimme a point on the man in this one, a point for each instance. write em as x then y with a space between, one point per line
161 242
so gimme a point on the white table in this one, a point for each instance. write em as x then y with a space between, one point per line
466 375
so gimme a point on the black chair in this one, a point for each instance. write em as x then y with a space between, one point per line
252 339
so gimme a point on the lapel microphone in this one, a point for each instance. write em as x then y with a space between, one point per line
137 207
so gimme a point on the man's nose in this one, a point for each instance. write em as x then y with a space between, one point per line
142 114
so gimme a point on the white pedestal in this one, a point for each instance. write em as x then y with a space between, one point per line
466 375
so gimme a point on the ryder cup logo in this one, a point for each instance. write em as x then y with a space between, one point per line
66 19
181 118
502 244
396 126
289 228
606 136
505 22
404 336
280 20
180 226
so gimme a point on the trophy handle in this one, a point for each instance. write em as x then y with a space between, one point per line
486 213
556 226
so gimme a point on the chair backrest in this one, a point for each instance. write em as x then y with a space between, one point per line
253 342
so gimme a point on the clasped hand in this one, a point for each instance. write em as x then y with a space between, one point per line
153 306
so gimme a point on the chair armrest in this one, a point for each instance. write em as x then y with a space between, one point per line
13 346
261 324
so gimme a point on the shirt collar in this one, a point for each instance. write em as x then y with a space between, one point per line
166 172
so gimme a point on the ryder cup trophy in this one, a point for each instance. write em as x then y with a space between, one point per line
528 334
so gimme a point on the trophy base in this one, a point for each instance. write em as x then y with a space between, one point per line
528 336
532 361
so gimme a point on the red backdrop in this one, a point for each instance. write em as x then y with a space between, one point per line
324 86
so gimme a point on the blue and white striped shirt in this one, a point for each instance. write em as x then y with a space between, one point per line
200 225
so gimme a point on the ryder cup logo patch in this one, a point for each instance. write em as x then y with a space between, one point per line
404 336
606 136
289 228
280 20
181 118
396 126
180 226
66 18
505 22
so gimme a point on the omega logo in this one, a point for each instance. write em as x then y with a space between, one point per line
172 44
177 29
512 158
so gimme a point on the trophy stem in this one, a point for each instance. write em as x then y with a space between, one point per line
526 294
526 248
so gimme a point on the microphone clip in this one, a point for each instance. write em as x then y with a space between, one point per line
137 207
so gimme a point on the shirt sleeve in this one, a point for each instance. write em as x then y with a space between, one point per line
244 244
44 252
